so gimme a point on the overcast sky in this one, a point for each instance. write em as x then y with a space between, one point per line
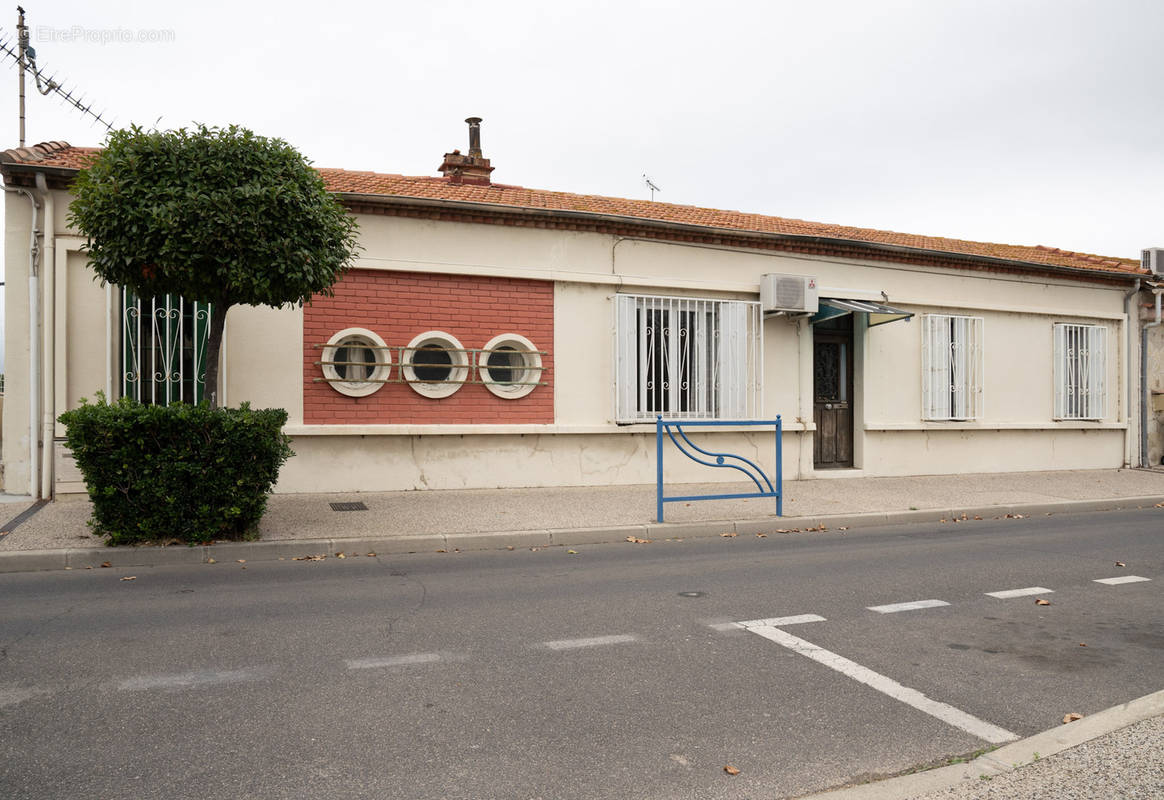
1022 122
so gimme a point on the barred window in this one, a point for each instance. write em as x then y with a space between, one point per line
681 357
163 348
1080 371
951 367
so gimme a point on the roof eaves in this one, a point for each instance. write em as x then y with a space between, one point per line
501 208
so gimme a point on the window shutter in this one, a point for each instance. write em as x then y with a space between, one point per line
1097 396
626 356
733 360
1060 358
936 367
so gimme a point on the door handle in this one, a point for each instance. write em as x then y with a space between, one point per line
828 406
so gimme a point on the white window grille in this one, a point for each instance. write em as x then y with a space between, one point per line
951 367
1080 371
686 358
163 348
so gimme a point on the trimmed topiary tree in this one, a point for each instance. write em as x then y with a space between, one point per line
182 472
216 215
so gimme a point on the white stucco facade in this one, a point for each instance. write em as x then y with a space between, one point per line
79 348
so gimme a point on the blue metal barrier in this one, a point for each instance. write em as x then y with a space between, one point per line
749 468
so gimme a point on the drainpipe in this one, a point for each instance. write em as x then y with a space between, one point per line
48 369
33 335
1144 381
1127 368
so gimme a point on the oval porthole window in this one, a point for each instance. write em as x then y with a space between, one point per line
356 362
435 364
510 366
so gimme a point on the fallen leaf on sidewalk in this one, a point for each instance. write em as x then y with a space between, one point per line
211 561
1071 717
241 560
728 535
371 555
572 552
309 558
340 555
977 517
730 770
129 578
106 564
1120 564
783 530
843 528
1041 602
508 547
1083 644
761 536
637 540
442 551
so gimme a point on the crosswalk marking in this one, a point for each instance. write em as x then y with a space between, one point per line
1009 593
913 605
1122 579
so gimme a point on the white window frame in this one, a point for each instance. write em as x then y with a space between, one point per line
342 343
1080 371
707 368
952 368
458 367
524 376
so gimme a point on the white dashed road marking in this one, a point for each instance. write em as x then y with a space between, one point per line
393 661
893 608
777 622
1121 579
911 697
593 641
1009 593
193 680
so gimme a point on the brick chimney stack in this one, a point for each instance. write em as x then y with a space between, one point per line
472 169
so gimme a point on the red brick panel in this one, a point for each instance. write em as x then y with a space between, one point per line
400 305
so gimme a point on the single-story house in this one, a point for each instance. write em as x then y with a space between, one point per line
492 335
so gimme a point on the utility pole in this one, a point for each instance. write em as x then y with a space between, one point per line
22 43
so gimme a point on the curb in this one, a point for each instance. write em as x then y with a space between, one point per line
272 550
1006 759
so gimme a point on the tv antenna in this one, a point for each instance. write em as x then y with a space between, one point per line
651 185
25 57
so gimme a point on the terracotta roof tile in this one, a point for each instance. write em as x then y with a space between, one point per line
61 154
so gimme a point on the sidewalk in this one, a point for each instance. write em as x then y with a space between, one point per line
56 536
1115 754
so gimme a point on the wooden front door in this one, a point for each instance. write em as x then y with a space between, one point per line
832 379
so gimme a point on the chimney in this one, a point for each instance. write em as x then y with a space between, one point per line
472 169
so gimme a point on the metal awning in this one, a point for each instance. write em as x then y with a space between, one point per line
879 313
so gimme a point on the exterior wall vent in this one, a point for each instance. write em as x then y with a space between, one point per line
792 294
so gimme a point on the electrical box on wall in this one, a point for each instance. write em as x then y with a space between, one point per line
789 294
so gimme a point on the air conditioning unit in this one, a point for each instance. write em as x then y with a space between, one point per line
1152 260
793 294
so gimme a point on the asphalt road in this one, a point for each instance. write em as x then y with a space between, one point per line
612 672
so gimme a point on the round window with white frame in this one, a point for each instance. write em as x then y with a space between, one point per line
356 362
510 366
434 364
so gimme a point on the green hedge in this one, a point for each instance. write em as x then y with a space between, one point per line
182 472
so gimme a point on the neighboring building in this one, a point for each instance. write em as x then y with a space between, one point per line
497 336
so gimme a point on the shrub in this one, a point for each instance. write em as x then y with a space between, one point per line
182 472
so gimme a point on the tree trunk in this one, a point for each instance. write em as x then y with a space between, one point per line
213 346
